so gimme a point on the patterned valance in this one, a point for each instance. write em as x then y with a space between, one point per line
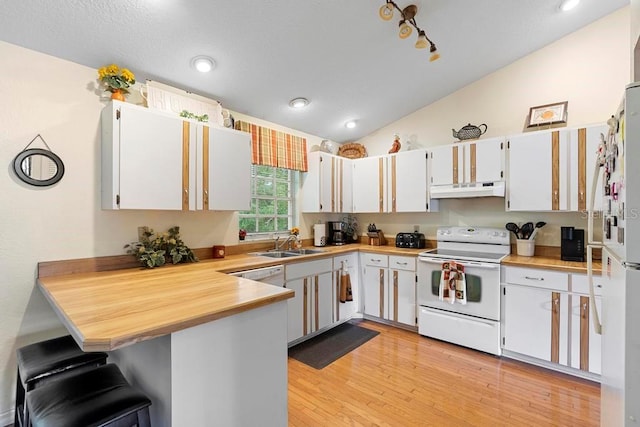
273 148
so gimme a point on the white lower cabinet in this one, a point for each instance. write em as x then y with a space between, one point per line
586 344
535 323
346 310
311 309
546 317
389 287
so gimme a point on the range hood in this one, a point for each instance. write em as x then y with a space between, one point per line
463 191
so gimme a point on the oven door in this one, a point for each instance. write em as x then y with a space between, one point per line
483 287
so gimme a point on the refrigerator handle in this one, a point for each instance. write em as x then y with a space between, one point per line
600 159
597 326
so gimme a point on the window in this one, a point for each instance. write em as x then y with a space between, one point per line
272 201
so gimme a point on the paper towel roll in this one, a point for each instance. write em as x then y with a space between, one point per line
319 234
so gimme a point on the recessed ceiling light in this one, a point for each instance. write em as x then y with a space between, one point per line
204 64
567 5
298 102
350 124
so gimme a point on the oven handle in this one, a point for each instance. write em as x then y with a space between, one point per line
484 265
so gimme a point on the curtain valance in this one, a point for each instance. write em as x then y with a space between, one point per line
274 148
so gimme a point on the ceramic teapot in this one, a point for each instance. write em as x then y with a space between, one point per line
469 132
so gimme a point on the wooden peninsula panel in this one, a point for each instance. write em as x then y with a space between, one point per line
108 310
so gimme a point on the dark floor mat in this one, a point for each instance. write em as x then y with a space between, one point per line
323 349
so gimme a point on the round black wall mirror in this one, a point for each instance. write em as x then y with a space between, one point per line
38 167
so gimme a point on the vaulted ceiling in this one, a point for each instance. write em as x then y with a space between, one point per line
340 55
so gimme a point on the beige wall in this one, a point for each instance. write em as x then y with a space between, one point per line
588 68
58 99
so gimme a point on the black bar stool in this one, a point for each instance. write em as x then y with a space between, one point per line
46 360
98 397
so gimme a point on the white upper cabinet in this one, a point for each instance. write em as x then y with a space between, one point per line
370 184
224 169
327 186
146 162
484 160
446 161
468 169
344 190
538 165
152 160
407 182
393 183
583 144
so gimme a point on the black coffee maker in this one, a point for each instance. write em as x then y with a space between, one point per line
571 244
337 233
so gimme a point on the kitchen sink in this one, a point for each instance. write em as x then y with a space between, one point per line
276 254
305 251
288 253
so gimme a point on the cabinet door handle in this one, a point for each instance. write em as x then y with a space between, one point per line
539 279
395 296
381 293
402 263
316 303
305 296
555 195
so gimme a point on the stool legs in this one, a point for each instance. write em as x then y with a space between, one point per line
20 402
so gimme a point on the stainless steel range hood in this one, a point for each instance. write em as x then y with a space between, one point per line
463 191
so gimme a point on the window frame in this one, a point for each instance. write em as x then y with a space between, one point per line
292 180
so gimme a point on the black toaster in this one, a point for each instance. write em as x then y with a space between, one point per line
410 240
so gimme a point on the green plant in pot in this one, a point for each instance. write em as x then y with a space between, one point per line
154 250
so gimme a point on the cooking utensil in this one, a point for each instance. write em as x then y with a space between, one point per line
526 230
513 227
539 225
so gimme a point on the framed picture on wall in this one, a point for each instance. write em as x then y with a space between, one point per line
549 114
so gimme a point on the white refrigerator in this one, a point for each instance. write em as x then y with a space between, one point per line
619 320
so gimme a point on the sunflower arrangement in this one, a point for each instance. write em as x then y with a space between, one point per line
116 78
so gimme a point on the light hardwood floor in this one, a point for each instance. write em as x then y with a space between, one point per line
400 378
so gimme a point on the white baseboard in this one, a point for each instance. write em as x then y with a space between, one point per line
6 418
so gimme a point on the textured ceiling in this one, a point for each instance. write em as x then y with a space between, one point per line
339 54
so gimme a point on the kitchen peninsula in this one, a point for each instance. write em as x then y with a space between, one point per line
207 348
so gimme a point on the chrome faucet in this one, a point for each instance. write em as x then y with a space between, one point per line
288 240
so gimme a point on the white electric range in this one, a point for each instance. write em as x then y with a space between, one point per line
476 323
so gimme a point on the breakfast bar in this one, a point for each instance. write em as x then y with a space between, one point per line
206 347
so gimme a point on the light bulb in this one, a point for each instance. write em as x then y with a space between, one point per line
298 103
422 43
386 12
350 124
567 5
434 57
405 30
204 64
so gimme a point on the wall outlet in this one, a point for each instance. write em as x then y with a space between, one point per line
416 228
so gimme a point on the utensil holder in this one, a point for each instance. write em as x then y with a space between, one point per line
525 247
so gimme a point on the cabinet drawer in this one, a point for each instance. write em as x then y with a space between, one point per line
402 263
536 277
376 260
580 284
309 268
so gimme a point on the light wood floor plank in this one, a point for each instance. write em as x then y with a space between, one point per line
400 378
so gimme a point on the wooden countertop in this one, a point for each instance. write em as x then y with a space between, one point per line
106 310
550 263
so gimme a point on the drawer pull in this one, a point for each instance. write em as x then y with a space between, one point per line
375 260
539 279
402 263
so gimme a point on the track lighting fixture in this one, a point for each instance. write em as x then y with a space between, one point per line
408 20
